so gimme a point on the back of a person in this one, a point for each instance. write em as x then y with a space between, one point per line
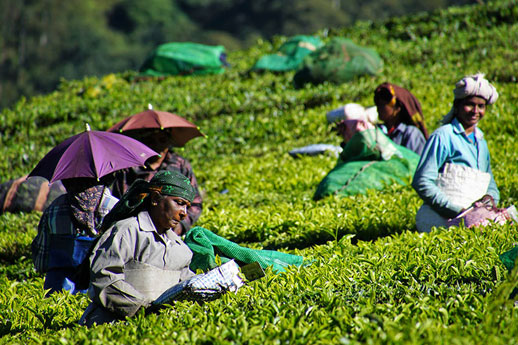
61 244
56 250
408 136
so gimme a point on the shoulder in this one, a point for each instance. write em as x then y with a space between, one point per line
479 134
174 161
58 213
131 226
60 202
174 158
124 227
410 130
120 234
443 131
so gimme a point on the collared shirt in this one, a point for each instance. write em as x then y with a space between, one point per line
134 239
172 162
56 242
449 144
408 136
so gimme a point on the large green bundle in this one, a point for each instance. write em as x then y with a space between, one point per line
370 160
509 258
26 195
290 54
180 58
338 61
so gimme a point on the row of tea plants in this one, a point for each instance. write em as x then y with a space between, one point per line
373 279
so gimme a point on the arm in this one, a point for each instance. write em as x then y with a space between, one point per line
107 275
492 189
40 245
432 159
415 140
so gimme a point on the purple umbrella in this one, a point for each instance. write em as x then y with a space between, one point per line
92 154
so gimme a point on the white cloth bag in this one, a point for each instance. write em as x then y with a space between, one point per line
462 185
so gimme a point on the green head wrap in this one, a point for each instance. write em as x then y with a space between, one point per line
172 183
165 182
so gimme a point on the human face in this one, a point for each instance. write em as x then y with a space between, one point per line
387 113
470 111
167 211
156 139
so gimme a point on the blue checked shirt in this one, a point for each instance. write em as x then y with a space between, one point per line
59 243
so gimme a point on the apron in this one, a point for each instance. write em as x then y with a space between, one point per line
462 185
149 280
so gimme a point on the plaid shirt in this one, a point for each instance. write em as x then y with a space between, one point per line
58 237
172 162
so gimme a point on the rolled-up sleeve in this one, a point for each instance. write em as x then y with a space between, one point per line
108 279
492 189
424 182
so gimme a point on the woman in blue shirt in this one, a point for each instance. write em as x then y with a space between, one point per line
454 170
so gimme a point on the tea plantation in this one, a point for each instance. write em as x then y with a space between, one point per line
374 279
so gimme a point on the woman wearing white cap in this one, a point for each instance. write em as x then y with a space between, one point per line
454 170
369 159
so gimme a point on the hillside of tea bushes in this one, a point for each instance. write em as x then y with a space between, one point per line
374 280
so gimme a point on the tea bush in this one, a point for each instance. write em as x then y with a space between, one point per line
373 279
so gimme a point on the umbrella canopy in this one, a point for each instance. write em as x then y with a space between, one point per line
92 154
182 130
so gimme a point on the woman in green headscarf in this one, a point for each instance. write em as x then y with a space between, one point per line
139 256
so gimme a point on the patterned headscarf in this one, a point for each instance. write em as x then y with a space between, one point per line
411 112
165 182
83 196
470 86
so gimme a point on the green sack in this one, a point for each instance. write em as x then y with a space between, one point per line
338 61
370 160
205 245
509 258
181 58
290 55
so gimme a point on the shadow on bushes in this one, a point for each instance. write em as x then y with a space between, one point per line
13 253
7 329
322 236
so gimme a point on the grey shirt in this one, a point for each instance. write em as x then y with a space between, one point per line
408 136
132 255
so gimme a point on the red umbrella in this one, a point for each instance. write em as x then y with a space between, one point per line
92 154
181 129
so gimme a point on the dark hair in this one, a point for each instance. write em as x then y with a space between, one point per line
79 184
382 95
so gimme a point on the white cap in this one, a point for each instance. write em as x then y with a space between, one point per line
372 114
352 111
